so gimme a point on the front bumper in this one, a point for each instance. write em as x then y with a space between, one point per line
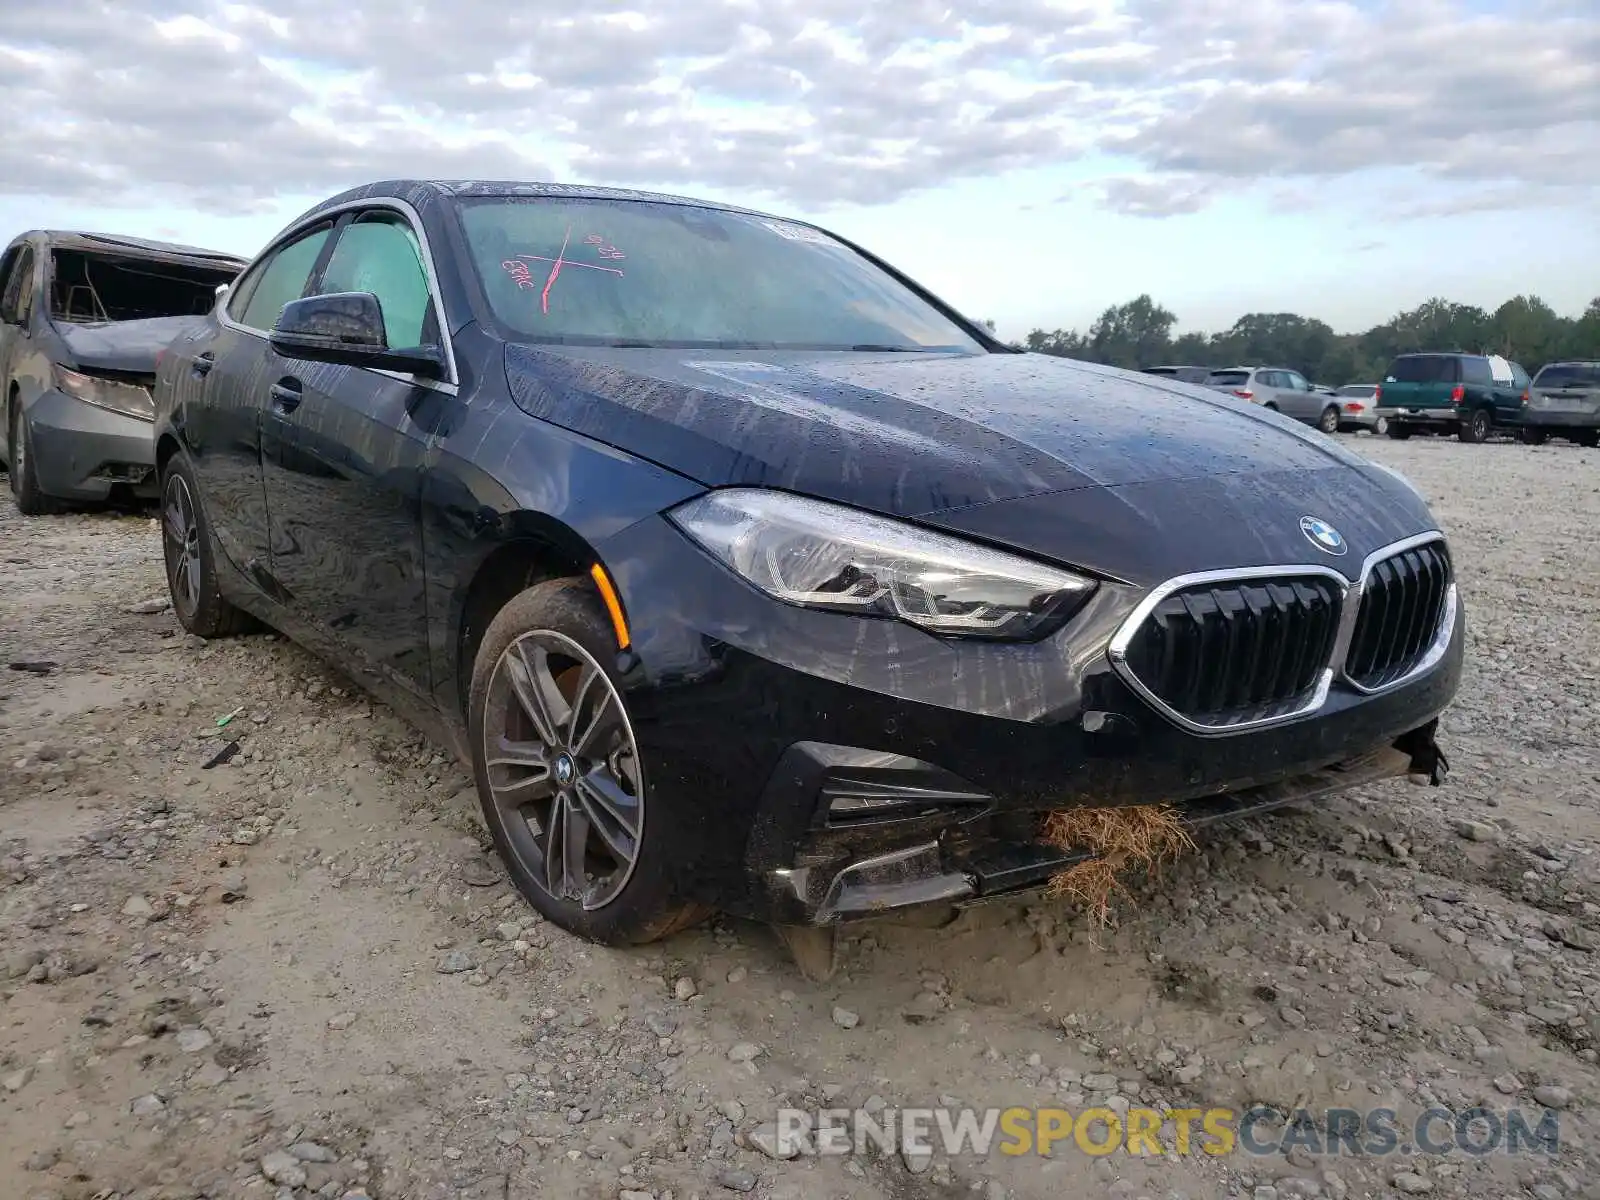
81 452
812 767
978 861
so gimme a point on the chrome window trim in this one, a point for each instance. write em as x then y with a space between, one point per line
1350 594
450 386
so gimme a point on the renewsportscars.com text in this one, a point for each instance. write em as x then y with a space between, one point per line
1372 1132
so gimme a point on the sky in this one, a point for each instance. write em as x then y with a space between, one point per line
1031 161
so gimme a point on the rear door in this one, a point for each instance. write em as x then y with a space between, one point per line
1299 401
228 428
344 493
1422 382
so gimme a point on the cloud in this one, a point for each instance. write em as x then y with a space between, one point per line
226 105
1165 196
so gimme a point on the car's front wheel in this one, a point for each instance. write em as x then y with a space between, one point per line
1329 422
560 775
197 601
24 481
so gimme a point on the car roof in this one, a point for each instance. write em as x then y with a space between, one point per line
85 240
409 189
1573 362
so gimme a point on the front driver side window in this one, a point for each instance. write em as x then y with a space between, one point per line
378 253
280 279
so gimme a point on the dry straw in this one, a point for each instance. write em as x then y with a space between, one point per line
1138 837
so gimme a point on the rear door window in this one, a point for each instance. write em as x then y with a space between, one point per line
1478 371
1425 368
280 279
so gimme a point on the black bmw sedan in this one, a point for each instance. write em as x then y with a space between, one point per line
749 575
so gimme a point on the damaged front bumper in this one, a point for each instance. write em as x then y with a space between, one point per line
976 862
84 452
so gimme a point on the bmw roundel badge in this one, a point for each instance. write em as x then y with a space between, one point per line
1323 536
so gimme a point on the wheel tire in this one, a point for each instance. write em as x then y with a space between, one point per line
1398 431
1534 437
1589 438
197 601
24 483
1476 426
1380 427
1329 421
562 621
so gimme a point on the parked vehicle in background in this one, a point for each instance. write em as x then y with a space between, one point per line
1470 395
1358 408
83 317
747 574
1564 400
1182 374
1281 390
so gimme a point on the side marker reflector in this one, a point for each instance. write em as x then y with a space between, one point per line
613 606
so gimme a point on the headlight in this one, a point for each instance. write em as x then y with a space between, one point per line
827 556
129 399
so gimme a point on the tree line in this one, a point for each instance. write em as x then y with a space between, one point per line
1139 334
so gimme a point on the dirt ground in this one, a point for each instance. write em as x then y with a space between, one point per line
299 973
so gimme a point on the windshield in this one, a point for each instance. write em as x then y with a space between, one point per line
108 287
637 273
1568 375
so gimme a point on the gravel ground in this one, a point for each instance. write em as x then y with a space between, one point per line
299 973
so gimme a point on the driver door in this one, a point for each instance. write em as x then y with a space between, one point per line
344 488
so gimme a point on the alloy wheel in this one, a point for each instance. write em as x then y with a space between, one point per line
182 534
564 769
1381 427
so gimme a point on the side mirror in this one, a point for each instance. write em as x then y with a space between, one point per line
347 328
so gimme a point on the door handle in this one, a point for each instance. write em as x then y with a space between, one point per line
201 364
286 396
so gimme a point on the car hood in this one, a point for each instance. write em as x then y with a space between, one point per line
908 434
122 345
